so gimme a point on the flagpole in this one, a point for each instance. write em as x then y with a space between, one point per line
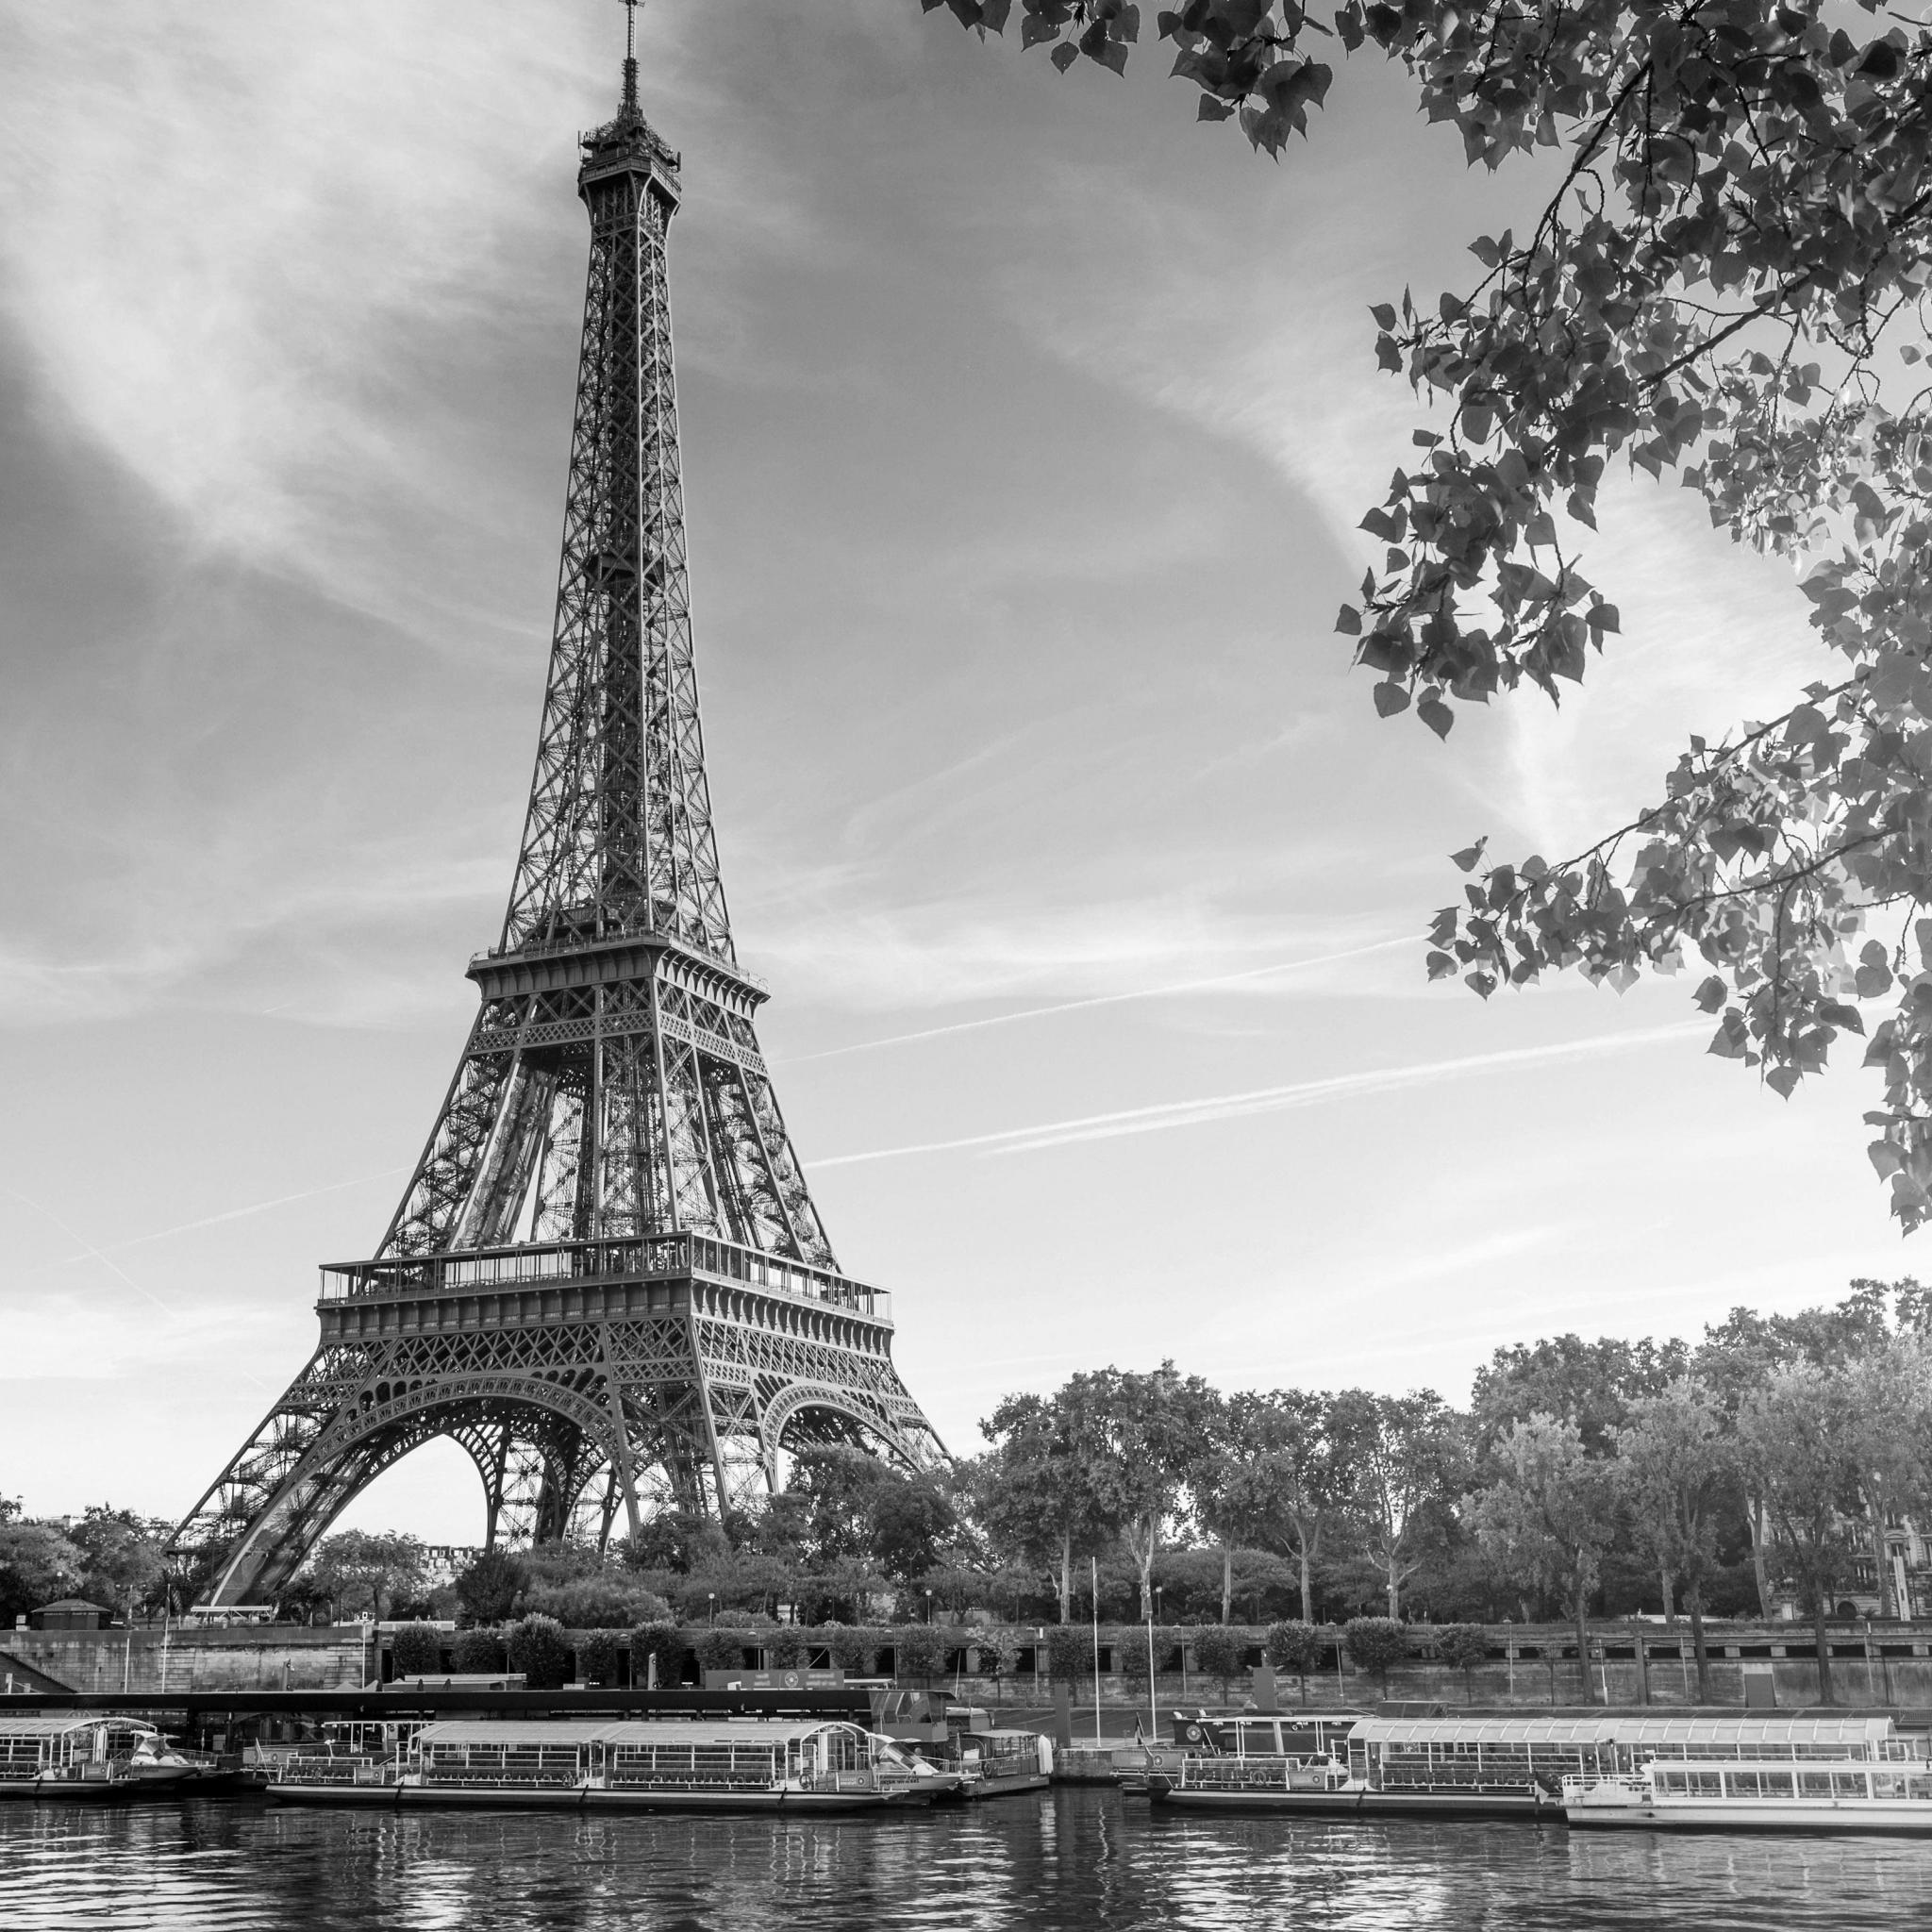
1095 1563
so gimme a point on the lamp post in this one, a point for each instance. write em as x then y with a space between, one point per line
711 1615
928 1606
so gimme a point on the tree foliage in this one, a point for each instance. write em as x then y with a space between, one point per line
416 1650
1375 1645
1727 283
1463 1647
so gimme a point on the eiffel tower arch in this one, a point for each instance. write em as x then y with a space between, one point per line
606 1279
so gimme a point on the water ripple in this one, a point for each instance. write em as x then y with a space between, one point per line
1074 1859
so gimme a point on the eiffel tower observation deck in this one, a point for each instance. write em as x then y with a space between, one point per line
606 1278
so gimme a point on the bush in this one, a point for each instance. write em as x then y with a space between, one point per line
999 1657
610 1601
665 1642
1068 1653
416 1650
921 1651
476 1652
720 1647
785 1649
597 1655
487 1592
1375 1643
1131 1653
537 1649
1462 1647
852 1650
1219 1650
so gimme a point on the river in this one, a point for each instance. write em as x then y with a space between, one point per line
1072 1858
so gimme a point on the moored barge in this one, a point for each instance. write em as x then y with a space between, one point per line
626 1764
99 1757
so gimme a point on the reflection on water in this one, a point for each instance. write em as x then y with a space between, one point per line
1069 1858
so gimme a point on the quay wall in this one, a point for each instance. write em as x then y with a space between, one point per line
267 1657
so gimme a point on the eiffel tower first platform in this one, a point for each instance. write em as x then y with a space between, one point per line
607 1279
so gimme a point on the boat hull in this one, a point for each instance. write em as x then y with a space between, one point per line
579 1798
1875 1817
1363 1804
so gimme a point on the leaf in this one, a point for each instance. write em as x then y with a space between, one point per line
1711 995
1064 55
1471 855
1390 699
1209 109
1349 622
1436 715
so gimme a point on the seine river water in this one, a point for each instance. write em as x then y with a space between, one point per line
1074 1858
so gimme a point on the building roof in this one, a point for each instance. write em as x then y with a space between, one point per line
27 1724
74 1603
1725 1731
624 1731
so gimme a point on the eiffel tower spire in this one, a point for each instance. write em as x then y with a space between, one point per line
606 1278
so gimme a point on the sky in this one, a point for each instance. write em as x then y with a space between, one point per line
1027 423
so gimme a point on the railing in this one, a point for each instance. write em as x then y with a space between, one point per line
484 1270
552 949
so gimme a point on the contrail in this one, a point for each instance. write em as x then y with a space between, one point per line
1103 999
161 1234
1221 1107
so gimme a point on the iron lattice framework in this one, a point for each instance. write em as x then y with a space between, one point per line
607 1279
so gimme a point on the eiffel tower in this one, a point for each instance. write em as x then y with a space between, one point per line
606 1279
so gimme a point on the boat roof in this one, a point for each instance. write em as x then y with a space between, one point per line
1728 1731
624 1731
58 1723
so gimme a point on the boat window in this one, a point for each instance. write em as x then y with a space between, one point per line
1888 1784
1706 1784
1743 1783
1673 1780
1815 1784
1848 1784
1919 1784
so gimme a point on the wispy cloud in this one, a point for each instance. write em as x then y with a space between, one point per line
1170 1115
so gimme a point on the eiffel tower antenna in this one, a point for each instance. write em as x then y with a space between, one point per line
607 1279
630 53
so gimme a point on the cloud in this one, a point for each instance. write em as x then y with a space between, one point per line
1224 1107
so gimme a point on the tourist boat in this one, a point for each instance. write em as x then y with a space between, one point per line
626 1764
96 1756
1306 1738
1809 1774
987 1763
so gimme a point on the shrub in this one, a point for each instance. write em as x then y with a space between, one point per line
416 1650
720 1647
597 1655
853 1651
999 1657
1134 1650
785 1649
610 1601
487 1592
665 1642
476 1652
921 1651
1375 1643
1068 1653
1218 1650
1462 1646
537 1649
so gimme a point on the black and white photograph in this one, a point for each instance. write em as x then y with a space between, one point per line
1076 1077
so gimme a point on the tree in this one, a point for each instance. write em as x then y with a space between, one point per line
1035 1493
537 1647
1218 1653
1592 1383
1548 1517
1462 1647
1232 1480
123 1564
1375 1643
1304 1486
1673 1462
1734 251
1397 1451
1068 1657
720 1647
477 1654
853 1651
919 1650
663 1643
1297 1647
37 1565
416 1650
363 1571
488 1591
1890 1392
1799 1436
612 1600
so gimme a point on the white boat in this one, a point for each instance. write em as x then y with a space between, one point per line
625 1764
1800 1775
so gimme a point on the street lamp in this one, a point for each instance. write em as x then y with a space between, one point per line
711 1616
928 1606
